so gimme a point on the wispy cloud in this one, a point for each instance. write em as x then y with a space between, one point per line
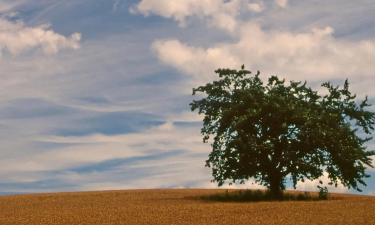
166 154
8 6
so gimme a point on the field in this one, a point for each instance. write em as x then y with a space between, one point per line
167 207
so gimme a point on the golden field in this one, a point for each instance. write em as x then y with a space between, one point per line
180 206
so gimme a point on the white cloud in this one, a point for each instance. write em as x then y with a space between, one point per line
310 55
197 62
219 13
256 7
282 3
16 38
311 185
222 14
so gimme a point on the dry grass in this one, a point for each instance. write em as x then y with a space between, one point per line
169 207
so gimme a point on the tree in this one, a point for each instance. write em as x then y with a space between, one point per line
274 131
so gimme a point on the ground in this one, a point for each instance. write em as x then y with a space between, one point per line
175 207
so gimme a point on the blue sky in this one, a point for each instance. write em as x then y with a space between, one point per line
95 93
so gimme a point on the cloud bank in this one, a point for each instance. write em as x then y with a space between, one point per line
312 55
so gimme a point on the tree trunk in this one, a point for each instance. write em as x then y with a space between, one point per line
276 179
276 185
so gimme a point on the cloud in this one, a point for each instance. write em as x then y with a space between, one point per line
312 55
7 6
222 14
256 7
282 3
112 123
160 157
17 38
71 92
195 61
219 13
311 185
169 153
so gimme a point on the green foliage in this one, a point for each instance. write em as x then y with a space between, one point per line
276 130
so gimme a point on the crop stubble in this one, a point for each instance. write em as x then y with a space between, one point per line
175 207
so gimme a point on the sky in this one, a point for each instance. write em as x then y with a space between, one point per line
94 94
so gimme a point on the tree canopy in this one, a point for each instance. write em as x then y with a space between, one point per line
277 130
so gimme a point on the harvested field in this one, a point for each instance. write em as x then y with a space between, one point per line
167 207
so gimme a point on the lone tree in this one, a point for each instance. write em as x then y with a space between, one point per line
274 131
